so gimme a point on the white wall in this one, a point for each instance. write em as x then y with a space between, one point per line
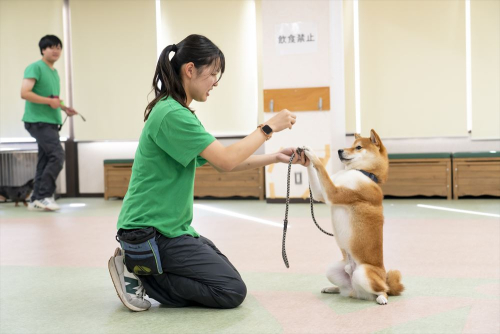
91 156
114 58
412 68
320 130
433 145
485 68
22 25
232 107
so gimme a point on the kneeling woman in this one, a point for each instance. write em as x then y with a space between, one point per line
158 209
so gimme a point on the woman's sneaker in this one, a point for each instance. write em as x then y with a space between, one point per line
47 203
128 287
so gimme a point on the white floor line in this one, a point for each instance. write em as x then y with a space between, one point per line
457 210
76 205
238 215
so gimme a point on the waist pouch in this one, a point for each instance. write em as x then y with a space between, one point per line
141 251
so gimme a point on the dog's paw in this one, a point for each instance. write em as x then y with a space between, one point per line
311 155
382 300
331 289
348 269
307 148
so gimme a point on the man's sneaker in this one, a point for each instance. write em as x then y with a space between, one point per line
33 207
128 287
46 204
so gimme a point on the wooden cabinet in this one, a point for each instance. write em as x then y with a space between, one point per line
209 182
116 177
424 174
476 174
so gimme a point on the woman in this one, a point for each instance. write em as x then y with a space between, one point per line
190 269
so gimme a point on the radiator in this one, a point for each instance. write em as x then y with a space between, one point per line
17 167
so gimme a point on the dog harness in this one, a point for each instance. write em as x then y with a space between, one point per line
370 175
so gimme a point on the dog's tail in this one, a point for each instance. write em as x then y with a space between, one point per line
394 282
29 183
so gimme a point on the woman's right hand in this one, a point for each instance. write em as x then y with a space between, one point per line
283 120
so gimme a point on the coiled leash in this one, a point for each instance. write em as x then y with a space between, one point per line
285 221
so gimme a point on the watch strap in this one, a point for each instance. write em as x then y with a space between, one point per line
268 136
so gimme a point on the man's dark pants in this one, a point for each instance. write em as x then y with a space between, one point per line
195 272
50 158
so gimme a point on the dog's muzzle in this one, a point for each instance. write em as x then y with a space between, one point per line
341 156
341 152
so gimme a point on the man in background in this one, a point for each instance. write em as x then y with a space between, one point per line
42 119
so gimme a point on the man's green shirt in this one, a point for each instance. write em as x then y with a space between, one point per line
161 188
47 84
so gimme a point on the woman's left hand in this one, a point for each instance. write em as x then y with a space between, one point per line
285 154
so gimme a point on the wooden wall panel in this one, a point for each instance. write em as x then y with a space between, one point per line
297 99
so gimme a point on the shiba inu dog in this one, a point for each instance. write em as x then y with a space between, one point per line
355 198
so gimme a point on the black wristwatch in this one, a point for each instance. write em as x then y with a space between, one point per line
266 129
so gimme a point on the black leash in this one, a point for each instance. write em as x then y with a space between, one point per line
285 221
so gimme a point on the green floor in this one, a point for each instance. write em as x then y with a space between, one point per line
49 298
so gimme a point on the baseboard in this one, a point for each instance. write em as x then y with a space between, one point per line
292 200
236 198
91 195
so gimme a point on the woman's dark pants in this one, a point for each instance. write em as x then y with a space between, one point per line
195 272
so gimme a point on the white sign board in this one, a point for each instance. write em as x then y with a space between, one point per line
296 38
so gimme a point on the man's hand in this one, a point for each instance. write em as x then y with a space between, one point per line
54 103
285 154
70 111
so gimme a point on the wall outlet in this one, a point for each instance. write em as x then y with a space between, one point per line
298 178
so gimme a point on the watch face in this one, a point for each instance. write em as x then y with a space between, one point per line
267 129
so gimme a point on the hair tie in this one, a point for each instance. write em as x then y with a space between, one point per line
174 47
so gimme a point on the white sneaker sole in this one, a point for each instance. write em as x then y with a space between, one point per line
116 282
41 207
35 208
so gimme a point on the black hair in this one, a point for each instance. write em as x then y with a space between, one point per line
167 78
48 41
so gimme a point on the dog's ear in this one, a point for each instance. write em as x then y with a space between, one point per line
357 136
375 138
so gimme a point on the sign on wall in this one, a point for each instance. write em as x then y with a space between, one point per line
296 38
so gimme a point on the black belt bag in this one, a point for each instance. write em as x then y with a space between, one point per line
141 251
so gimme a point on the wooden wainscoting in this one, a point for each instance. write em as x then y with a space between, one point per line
116 177
476 176
419 176
209 182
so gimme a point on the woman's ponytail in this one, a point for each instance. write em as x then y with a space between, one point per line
165 80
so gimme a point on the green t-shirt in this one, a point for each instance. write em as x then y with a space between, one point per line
47 84
160 193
